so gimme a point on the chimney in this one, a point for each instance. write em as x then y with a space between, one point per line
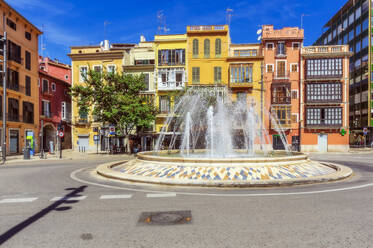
142 38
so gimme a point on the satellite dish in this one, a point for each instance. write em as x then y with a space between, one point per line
259 38
259 31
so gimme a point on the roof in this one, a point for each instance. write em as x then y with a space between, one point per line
24 18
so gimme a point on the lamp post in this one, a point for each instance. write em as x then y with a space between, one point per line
4 72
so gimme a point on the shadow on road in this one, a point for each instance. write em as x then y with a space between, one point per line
55 206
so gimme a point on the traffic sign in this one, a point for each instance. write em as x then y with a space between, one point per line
60 134
365 131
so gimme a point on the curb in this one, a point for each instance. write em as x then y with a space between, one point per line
342 172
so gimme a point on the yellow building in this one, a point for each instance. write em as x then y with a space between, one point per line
22 111
170 72
105 57
208 48
245 74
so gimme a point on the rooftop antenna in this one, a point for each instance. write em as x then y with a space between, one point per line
228 12
105 24
42 44
301 20
162 27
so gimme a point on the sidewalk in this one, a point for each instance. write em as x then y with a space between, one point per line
66 155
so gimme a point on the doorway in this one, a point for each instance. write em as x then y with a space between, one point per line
277 143
322 142
14 141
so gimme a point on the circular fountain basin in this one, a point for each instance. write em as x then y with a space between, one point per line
170 168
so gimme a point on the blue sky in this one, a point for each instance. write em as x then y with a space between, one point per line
81 22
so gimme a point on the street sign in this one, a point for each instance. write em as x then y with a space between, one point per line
365 131
60 134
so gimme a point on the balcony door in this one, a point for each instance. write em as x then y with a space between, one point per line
322 142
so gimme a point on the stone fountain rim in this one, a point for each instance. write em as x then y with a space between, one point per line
150 156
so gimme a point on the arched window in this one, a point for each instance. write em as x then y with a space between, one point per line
218 47
207 48
195 47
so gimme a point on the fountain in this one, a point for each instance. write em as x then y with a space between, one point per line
210 140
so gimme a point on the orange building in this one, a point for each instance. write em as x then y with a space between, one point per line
22 110
281 50
324 104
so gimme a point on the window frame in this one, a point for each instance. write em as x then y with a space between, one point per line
272 68
206 48
81 78
270 43
53 86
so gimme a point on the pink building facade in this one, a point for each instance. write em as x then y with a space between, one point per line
55 104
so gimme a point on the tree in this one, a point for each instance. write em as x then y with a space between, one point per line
115 99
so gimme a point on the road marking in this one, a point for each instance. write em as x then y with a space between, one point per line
161 195
73 176
18 200
115 197
65 198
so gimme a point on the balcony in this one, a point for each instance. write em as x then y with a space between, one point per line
269 33
46 114
67 117
280 124
237 84
207 28
323 50
324 124
283 75
82 120
168 86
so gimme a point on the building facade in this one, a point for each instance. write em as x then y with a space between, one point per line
351 26
22 81
208 49
141 60
281 50
324 102
54 104
86 135
171 74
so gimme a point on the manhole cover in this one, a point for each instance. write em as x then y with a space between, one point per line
166 218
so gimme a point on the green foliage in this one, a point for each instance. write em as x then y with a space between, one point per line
115 99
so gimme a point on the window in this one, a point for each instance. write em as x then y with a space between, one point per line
195 47
11 24
246 53
171 57
296 45
365 24
28 60
111 69
28 85
281 68
97 68
195 74
358 30
53 87
46 108
351 35
270 68
345 23
14 52
364 6
146 81
357 13
217 74
217 47
207 48
269 46
281 48
339 30
164 104
345 39
164 77
294 67
319 68
45 86
28 35
282 114
13 109
351 18
324 116
324 92
365 42
329 37
241 73
66 77
28 112
83 73
334 33
63 110
13 80
294 94
281 94
144 62
357 47
179 79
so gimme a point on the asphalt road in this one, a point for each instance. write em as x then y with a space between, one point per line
63 204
